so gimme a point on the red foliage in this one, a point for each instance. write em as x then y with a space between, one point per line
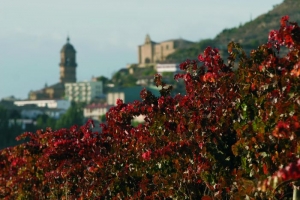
231 130
290 173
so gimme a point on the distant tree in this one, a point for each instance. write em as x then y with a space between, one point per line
129 80
74 115
124 79
44 121
14 114
192 52
104 81
15 129
8 132
3 119
102 118
148 71
3 126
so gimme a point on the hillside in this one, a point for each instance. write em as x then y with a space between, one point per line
248 35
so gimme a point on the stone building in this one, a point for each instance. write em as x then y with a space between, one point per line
55 91
151 52
67 68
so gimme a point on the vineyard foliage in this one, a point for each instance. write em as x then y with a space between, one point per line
228 133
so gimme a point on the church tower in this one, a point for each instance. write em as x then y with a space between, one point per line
67 63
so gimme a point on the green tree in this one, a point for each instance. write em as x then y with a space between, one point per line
9 131
102 118
123 79
44 121
74 115
104 81
3 126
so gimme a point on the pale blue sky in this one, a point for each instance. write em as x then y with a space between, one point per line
105 34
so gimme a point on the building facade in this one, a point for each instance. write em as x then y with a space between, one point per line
33 108
167 67
55 91
96 110
83 91
57 104
151 52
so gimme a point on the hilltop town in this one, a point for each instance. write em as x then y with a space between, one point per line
99 94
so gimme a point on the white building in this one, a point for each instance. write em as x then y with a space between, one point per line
83 91
31 112
55 104
167 67
95 111
33 108
112 97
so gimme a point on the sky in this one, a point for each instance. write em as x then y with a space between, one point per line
105 34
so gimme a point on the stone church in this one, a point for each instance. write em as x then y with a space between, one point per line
151 52
67 68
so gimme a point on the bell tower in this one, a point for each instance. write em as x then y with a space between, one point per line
67 63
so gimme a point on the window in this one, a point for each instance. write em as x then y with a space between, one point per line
67 61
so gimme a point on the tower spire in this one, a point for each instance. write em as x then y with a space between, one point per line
147 40
68 39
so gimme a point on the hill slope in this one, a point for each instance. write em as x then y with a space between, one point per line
249 35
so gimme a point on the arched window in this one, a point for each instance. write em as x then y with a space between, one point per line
147 60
